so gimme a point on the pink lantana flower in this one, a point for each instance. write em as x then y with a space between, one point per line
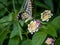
50 41
33 26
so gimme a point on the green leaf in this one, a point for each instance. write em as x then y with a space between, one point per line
44 43
6 18
2 11
4 2
57 42
3 36
27 42
49 3
3 25
20 31
16 30
56 22
49 29
38 38
21 22
14 41
1 6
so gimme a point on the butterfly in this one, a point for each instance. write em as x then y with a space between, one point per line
27 13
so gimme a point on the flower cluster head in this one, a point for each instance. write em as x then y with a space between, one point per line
46 15
50 41
33 26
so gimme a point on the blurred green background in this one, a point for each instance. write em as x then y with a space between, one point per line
9 26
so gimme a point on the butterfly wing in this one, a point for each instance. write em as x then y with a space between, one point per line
27 14
28 7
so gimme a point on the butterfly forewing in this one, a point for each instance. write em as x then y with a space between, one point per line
28 7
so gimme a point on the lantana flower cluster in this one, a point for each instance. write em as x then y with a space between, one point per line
46 15
34 25
50 41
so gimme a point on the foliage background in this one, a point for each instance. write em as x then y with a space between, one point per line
13 32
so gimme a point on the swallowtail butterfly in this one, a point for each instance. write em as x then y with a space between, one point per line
27 13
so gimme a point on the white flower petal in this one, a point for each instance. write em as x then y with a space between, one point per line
36 30
47 20
51 14
31 32
41 13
